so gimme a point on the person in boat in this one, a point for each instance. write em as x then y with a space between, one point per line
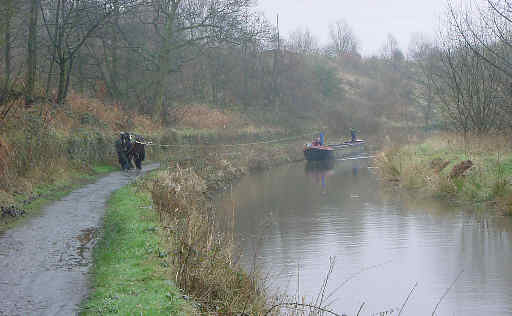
353 134
319 141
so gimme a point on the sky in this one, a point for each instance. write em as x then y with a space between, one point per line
371 20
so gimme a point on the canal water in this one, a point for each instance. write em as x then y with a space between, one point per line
292 222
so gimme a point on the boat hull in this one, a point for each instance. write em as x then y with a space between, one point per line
318 153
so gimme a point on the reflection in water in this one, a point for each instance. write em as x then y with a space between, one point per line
319 171
294 218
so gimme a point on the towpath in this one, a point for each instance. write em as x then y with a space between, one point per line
44 263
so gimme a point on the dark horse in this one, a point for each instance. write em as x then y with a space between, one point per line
123 146
137 150
130 147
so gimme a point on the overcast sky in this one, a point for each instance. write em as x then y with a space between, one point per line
371 20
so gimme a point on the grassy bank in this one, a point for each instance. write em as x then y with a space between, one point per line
439 166
160 235
129 262
203 255
57 149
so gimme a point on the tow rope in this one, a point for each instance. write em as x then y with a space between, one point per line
231 145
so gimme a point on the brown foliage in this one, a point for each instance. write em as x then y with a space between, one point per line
202 255
200 116
459 169
5 153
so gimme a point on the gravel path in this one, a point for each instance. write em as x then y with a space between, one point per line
44 263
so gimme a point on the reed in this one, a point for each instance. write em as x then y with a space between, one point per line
201 255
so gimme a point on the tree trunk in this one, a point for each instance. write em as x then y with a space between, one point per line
7 56
81 76
62 82
50 72
61 59
165 56
32 51
53 50
115 53
68 77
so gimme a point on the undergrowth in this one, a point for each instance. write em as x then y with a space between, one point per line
56 142
429 167
202 256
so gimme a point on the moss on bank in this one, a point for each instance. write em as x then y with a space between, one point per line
428 168
129 262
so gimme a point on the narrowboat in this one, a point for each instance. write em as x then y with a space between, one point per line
314 152
317 152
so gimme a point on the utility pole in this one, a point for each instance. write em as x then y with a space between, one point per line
275 76
32 51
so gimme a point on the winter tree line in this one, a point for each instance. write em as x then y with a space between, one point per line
465 76
154 55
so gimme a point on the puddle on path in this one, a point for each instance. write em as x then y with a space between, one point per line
44 262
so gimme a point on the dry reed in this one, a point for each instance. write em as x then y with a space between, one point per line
202 255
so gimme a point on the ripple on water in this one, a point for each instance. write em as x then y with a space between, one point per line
423 241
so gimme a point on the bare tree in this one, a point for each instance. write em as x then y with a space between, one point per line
181 32
343 39
485 27
8 10
69 24
391 50
32 50
424 58
474 81
469 89
301 41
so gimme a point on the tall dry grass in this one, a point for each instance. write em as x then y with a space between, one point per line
202 255
44 144
428 166
39 151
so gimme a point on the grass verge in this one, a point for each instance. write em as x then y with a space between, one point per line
128 262
430 168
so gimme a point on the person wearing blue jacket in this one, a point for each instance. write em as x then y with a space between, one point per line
353 134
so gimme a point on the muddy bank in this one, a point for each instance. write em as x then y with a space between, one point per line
44 262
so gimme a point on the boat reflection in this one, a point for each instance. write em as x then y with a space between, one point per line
319 171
